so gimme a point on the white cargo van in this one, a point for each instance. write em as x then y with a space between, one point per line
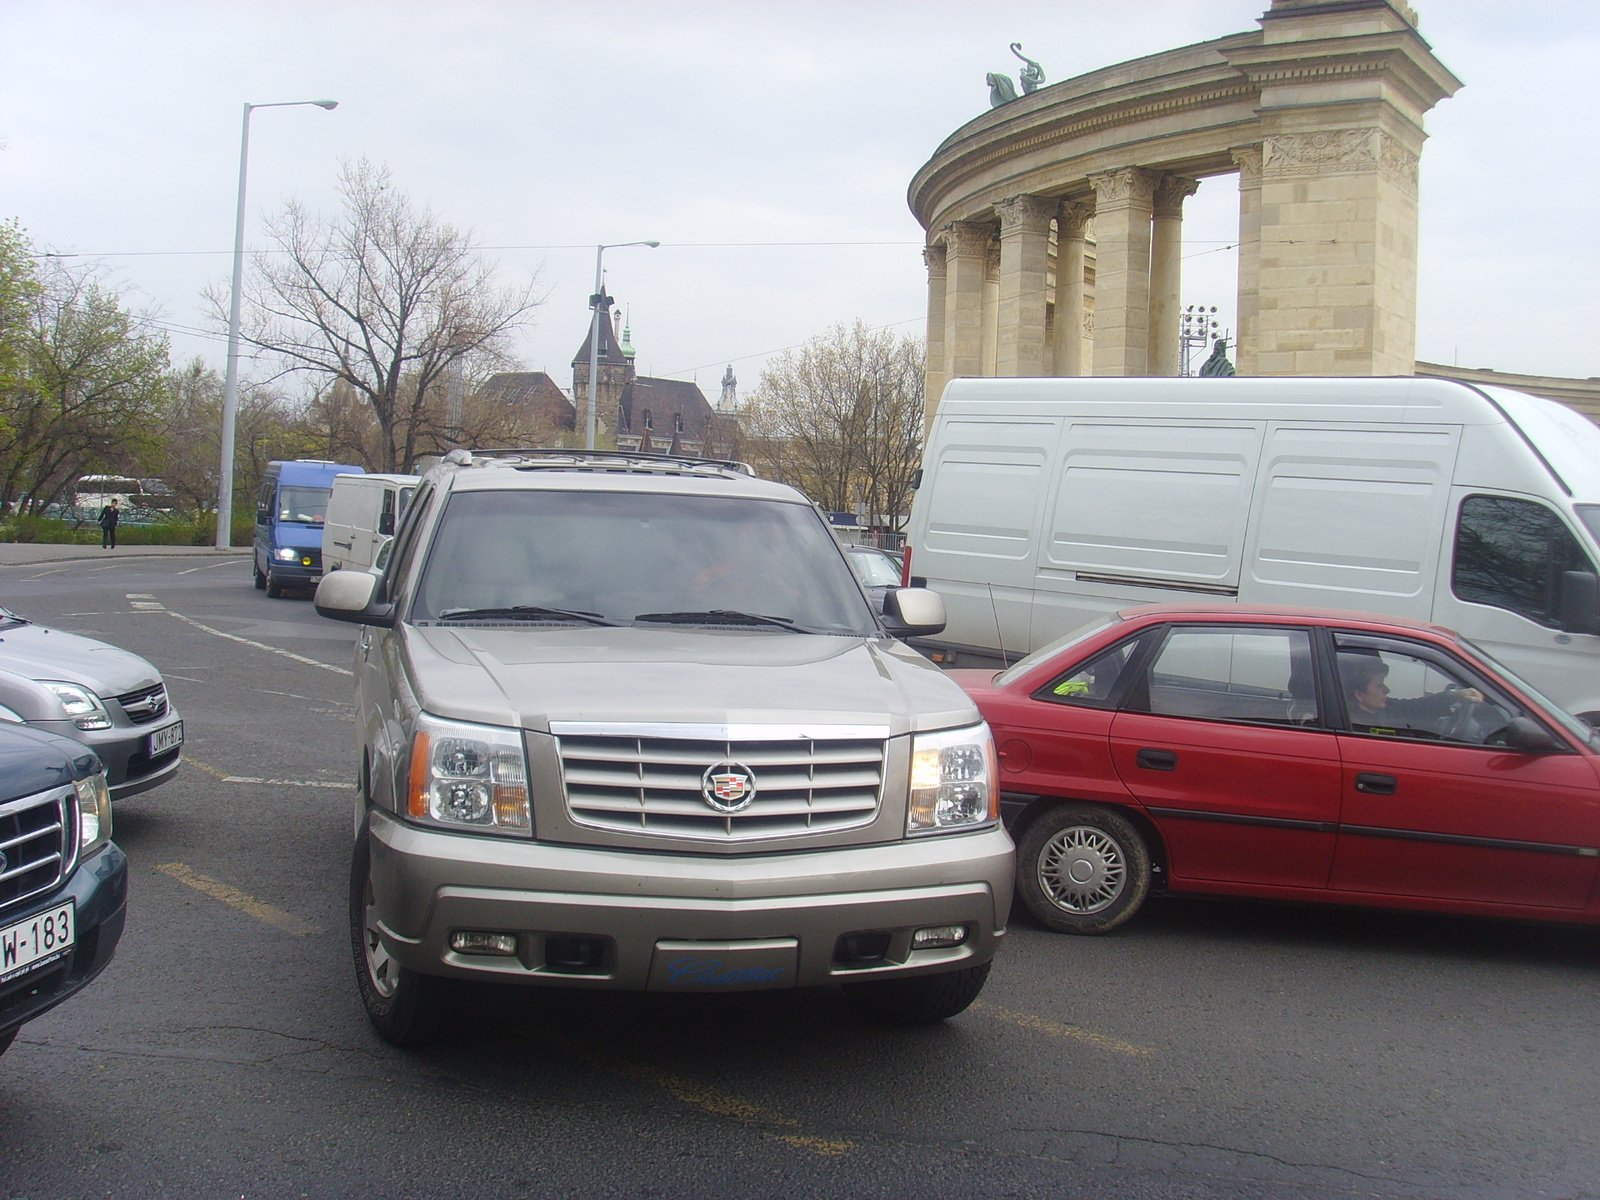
1048 503
362 514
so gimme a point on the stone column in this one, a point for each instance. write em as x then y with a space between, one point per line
1343 91
1024 264
1122 204
1166 254
966 252
934 376
991 308
1248 160
1072 221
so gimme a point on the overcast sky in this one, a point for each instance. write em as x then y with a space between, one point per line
719 129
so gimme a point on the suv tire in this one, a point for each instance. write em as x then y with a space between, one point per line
8 1037
260 579
920 1000
1106 851
404 1007
274 588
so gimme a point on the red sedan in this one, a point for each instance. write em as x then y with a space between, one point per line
1288 753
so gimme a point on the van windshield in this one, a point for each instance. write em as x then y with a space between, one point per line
626 557
307 504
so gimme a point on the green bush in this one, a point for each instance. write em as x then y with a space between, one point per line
179 531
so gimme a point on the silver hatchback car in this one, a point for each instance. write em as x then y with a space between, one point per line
110 699
629 721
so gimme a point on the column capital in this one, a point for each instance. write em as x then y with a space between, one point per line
968 239
1072 219
1248 160
1170 193
1126 187
1025 214
933 259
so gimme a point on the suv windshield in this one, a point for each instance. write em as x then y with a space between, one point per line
691 561
308 504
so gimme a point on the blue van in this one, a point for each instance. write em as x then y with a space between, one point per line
290 511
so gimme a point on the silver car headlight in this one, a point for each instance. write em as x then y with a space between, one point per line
82 705
94 813
953 781
468 777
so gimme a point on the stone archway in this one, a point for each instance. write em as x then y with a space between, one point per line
1320 114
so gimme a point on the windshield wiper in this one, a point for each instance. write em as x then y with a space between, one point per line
723 616
530 612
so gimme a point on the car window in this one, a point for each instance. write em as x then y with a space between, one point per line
401 559
1511 553
1258 675
307 504
1094 684
623 556
874 568
1390 691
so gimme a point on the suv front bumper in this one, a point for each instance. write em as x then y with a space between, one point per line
99 889
429 884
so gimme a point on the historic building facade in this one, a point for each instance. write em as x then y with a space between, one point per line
1055 220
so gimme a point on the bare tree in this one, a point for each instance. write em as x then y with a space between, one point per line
841 419
384 299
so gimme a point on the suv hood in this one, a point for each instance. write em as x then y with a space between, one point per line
37 652
529 678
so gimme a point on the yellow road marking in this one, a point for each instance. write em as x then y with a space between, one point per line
234 898
744 1111
57 571
1067 1032
216 773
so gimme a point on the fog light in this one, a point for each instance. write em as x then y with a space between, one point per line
479 941
935 937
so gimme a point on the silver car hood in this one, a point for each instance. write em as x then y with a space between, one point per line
529 678
42 653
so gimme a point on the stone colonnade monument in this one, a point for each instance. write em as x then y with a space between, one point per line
1054 220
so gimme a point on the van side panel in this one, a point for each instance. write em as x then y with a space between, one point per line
985 496
1349 517
1162 500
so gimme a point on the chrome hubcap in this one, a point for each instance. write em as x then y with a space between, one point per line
1082 869
382 969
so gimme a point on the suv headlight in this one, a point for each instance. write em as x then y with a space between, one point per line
286 554
82 705
469 777
953 783
94 813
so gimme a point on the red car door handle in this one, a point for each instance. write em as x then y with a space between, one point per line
1157 760
1375 785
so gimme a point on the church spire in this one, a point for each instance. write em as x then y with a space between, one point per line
628 351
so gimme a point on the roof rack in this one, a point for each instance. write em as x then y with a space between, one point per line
554 458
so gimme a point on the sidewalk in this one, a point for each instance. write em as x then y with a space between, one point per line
15 554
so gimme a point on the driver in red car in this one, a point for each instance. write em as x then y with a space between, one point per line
1372 708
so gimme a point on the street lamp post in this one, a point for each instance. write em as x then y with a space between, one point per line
230 389
1197 327
596 302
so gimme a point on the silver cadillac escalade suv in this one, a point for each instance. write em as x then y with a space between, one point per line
629 721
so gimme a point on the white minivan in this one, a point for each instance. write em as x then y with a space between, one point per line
362 514
1048 503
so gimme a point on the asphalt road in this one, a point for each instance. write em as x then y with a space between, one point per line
1210 1049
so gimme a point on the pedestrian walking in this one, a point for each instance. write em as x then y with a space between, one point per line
109 516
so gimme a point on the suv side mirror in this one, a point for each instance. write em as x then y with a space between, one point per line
349 596
1578 606
1527 735
913 612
